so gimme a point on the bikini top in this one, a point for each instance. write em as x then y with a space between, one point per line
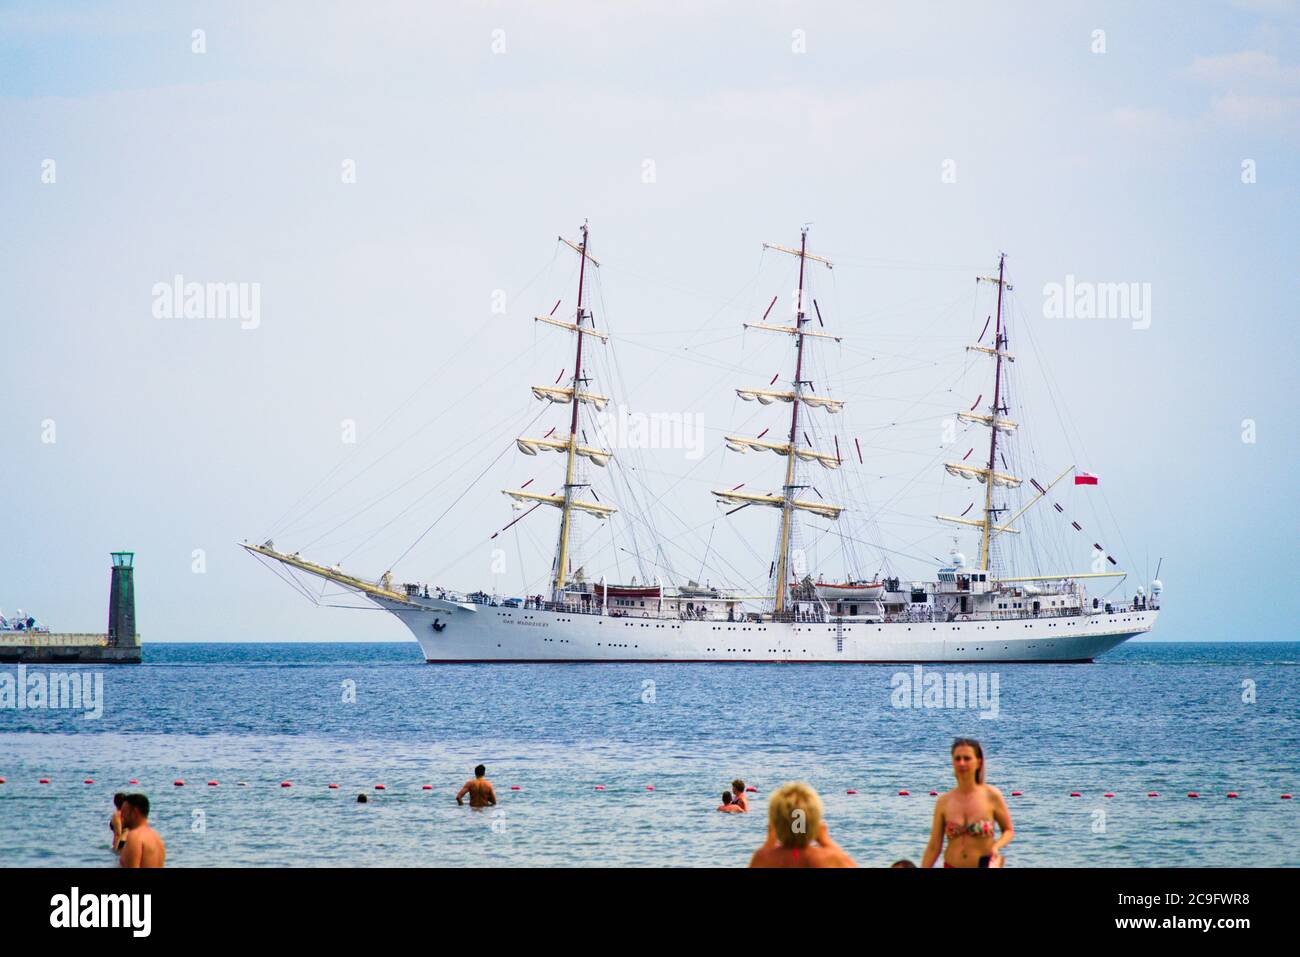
974 829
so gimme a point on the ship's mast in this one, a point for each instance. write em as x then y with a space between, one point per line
783 552
787 501
562 559
998 343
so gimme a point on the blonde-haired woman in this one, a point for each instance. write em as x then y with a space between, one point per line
796 832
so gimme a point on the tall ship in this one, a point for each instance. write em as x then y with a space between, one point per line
979 609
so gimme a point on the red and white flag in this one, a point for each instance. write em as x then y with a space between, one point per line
1084 478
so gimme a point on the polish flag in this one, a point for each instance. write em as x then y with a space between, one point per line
1085 478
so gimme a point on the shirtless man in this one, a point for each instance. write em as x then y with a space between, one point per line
479 790
728 805
144 848
115 824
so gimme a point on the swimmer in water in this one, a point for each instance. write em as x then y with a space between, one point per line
728 805
143 847
966 815
738 790
796 832
479 790
115 824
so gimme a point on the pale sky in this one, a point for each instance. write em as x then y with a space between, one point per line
918 139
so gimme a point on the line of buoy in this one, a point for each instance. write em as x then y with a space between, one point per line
180 782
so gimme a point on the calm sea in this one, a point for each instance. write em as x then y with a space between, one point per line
1170 718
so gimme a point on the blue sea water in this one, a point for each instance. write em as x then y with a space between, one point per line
1148 716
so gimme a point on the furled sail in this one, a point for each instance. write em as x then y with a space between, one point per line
741 444
555 394
976 523
992 352
791 330
767 397
572 327
528 446
776 501
594 508
1002 425
981 475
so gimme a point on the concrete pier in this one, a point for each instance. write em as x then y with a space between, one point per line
121 645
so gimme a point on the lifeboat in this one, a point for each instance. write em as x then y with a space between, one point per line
851 591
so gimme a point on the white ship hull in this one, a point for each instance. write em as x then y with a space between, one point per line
487 633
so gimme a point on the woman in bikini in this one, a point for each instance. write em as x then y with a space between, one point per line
967 815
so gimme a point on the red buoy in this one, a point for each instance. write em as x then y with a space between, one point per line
1285 797
649 787
515 787
333 787
935 793
751 789
380 787
903 794
600 787
850 791
43 781
88 781
1075 794
1108 795
427 787
212 784
286 784
1014 794
133 781
2 780
178 783
1152 794
1232 794
1192 794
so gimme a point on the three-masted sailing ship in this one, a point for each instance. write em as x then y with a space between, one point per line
970 612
